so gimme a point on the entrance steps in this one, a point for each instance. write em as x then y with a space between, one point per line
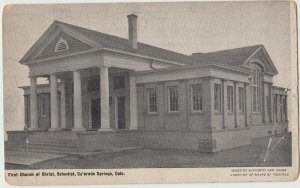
45 142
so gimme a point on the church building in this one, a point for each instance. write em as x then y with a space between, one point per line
106 92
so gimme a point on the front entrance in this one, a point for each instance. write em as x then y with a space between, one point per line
121 112
95 113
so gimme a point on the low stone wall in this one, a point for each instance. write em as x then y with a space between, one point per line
97 141
107 140
16 137
175 139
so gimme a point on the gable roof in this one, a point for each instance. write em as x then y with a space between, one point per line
231 56
234 58
122 43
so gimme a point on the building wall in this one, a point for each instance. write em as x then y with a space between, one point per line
185 118
224 118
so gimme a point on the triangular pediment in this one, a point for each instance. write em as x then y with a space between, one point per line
261 57
74 46
59 41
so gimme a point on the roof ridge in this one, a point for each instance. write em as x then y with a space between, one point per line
114 36
238 48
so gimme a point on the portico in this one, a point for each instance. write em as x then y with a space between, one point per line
74 99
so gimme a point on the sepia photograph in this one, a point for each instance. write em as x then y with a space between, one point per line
165 85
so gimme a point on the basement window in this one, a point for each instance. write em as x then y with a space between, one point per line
61 45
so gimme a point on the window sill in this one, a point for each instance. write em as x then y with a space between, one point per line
218 113
173 113
195 113
230 113
241 113
152 113
255 113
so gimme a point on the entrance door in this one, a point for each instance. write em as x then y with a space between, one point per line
121 112
95 112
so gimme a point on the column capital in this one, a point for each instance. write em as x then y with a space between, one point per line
104 66
30 76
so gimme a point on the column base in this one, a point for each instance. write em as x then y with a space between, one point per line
105 129
54 129
33 129
78 129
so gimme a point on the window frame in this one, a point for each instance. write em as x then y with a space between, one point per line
149 90
217 97
176 98
275 107
43 107
241 93
256 91
230 98
198 94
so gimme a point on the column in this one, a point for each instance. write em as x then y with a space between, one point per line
54 103
33 105
272 115
235 105
133 102
63 106
104 99
77 102
223 102
263 109
246 105
270 108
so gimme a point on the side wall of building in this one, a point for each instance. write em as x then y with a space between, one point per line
183 119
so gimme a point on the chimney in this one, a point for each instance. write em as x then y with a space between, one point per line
132 30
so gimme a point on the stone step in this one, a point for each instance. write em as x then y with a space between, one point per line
36 150
42 148
53 142
54 135
45 137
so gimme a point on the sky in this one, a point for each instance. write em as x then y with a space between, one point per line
182 27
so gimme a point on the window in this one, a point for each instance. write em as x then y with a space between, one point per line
152 102
285 107
268 106
110 100
241 99
119 82
256 91
43 106
275 107
61 45
196 97
173 99
281 107
217 97
230 98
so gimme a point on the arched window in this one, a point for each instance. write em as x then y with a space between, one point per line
61 45
255 89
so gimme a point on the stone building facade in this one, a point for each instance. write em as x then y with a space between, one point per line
113 92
